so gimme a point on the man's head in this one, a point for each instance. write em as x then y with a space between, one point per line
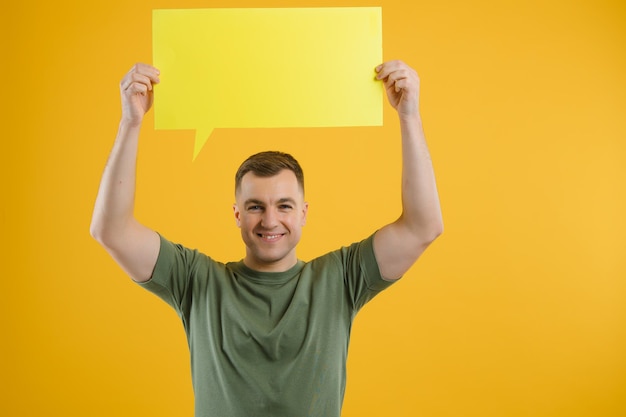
270 210
268 164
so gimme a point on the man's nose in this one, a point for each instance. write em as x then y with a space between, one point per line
269 219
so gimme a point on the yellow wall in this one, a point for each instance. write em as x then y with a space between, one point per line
518 310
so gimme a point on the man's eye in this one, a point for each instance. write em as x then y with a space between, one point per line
285 207
254 208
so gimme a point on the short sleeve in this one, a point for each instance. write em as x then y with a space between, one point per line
362 275
175 268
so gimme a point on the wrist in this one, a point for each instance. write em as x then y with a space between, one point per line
130 123
413 118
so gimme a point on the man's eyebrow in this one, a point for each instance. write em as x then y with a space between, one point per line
261 203
253 201
286 200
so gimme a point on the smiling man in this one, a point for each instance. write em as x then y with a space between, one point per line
270 210
268 335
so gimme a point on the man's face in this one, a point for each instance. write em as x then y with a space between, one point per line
270 211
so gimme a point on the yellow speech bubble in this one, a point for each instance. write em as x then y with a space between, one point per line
243 68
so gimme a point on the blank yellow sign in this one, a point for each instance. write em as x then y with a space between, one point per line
242 68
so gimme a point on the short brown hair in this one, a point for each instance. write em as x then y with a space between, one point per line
268 164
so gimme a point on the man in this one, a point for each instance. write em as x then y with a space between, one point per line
268 336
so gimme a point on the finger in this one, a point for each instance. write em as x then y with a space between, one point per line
400 85
387 68
137 88
393 80
407 81
396 75
145 70
131 79
407 84
136 78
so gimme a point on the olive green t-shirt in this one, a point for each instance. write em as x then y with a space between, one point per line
267 344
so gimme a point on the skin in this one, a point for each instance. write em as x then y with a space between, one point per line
397 245
134 246
270 211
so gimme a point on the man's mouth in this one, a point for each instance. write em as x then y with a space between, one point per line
270 237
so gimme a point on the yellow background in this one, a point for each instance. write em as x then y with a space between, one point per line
517 310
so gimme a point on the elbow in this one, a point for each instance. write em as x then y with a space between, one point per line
101 232
112 234
436 226
425 232
96 230
437 230
430 234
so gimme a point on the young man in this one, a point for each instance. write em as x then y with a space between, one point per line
268 336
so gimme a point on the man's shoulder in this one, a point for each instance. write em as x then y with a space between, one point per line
173 252
344 252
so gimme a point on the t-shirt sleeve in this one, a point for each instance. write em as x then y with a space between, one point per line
175 268
362 274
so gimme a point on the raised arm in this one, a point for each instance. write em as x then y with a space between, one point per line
398 245
134 246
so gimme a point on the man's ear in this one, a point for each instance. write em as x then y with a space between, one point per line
237 214
305 211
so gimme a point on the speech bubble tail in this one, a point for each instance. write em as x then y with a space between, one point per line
202 136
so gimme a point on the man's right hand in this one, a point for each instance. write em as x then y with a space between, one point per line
137 92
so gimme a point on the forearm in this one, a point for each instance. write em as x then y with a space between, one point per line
114 207
421 211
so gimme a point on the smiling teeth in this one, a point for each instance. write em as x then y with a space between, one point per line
270 237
